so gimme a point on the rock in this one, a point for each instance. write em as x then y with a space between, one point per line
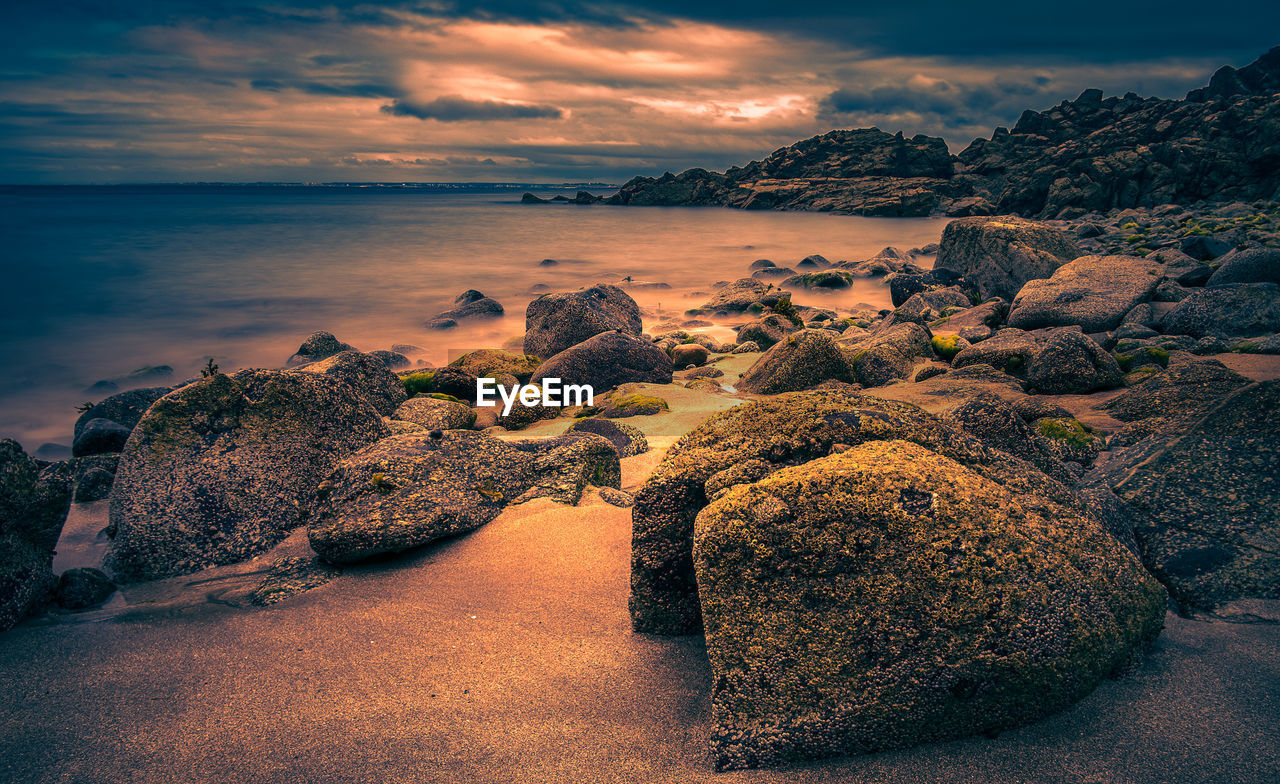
742 294
803 359
94 485
970 206
391 359
317 347
996 424
365 374
1072 364
1236 310
33 506
761 264
434 414
221 469
1185 389
100 436
1181 268
616 497
682 356
787 430
747 347
471 304
124 408
1033 408
1257 265
607 360
770 273
1093 292
1204 248
1203 500
767 331
987 316
80 589
409 490
814 261
291 576
888 354
999 255
824 279
1018 607
1009 350
628 440
1068 440
704 372
489 363
554 322
455 382
628 401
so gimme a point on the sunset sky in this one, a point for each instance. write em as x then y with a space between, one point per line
227 90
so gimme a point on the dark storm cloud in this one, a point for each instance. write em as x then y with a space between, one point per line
455 108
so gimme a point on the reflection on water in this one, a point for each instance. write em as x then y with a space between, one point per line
99 282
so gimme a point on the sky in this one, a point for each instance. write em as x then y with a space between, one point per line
112 91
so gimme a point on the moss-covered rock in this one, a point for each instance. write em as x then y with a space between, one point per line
1009 350
787 430
767 331
221 469
888 353
317 346
1069 440
1186 389
888 596
628 440
947 346
628 401
607 360
366 374
418 382
801 360
491 363
1072 364
998 425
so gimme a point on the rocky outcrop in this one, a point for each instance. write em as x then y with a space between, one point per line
999 255
939 599
223 468
554 322
409 490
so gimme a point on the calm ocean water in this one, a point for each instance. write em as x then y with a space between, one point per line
98 282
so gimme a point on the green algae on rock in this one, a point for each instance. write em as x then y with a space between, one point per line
888 596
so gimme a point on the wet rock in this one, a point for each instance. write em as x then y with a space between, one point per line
1024 606
742 294
222 469
81 589
431 413
1204 248
94 485
456 383
1072 364
364 373
554 322
33 506
767 331
682 356
1235 310
747 347
409 490
1093 292
1009 350
803 359
291 576
887 354
470 304
318 346
1000 254
100 436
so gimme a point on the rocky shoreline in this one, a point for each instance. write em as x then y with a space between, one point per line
945 518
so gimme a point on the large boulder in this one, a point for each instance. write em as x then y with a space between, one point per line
802 360
1071 363
888 354
317 347
33 505
1092 292
743 293
891 595
1000 254
1234 310
607 360
366 374
1186 389
412 489
1203 500
768 434
223 468
1255 265
554 322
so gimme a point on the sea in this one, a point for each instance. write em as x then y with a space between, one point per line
104 287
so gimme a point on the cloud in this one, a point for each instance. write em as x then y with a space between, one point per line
455 108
